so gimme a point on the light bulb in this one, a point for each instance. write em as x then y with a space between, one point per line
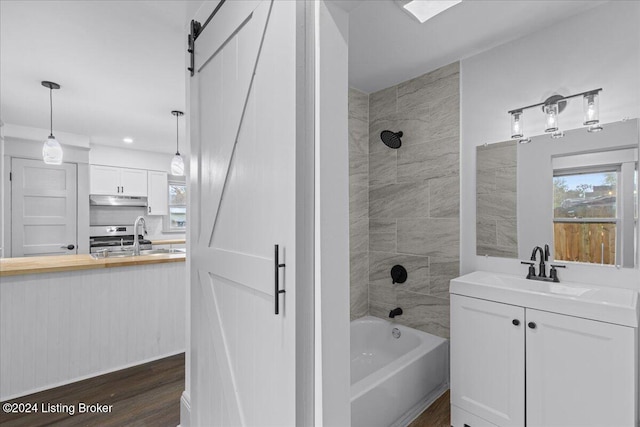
591 109
516 125
551 112
177 165
52 151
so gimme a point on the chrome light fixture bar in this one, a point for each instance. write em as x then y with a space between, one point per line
51 150
552 107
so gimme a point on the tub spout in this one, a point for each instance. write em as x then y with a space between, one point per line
395 312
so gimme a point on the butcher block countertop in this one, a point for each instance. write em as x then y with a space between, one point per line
52 264
168 241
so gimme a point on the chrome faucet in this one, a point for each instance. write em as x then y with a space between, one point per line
136 240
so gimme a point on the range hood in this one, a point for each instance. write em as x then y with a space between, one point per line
95 200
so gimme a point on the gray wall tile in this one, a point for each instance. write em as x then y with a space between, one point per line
382 103
408 200
444 197
431 159
383 167
434 237
358 201
358 105
380 264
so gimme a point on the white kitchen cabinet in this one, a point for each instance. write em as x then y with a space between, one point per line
113 181
158 202
578 372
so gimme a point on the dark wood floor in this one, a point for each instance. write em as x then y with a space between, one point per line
145 395
436 415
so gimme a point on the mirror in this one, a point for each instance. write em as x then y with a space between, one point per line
577 193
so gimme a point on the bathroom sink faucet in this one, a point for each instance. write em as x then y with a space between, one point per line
544 256
136 240
542 271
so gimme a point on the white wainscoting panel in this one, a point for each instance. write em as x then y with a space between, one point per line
58 328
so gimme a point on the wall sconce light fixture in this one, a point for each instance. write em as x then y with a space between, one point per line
552 107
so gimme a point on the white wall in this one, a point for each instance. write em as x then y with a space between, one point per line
599 48
129 158
333 389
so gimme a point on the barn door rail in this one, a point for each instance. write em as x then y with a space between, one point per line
196 30
277 266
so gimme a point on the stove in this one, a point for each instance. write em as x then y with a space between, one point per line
114 238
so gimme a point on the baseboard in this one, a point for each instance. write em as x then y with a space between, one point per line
85 377
185 410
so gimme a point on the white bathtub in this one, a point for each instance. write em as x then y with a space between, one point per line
394 379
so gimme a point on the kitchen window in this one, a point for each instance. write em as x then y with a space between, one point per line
177 218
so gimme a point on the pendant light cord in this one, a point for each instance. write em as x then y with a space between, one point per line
51 110
177 133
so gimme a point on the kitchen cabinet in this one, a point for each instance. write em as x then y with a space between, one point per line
158 203
113 181
513 365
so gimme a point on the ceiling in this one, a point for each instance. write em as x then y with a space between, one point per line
120 65
387 46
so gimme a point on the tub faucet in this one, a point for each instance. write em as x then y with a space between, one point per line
395 312
136 240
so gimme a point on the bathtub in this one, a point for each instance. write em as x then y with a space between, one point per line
394 379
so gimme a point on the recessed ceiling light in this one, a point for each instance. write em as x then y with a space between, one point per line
128 140
424 10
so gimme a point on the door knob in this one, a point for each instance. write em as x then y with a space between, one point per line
69 247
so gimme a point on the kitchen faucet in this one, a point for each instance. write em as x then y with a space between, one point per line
136 241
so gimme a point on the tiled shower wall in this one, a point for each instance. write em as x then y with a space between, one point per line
359 202
413 200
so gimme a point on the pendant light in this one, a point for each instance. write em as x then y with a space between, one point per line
51 150
177 163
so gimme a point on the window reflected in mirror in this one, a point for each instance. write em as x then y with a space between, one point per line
585 224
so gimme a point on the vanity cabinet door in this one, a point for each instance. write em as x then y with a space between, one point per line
579 372
487 360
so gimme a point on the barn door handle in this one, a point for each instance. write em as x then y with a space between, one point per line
277 266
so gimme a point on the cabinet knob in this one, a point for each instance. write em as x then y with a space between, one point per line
516 322
532 325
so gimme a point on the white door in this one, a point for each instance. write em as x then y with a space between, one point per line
487 360
43 208
243 129
133 182
158 189
579 372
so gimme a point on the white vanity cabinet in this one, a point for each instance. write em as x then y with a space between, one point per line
113 181
514 365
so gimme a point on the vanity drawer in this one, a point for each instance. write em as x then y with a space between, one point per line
462 418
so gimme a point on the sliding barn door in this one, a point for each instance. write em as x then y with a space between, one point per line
243 128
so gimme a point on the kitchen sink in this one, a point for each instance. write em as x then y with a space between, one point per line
128 254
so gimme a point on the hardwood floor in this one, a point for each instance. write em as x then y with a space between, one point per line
145 395
436 415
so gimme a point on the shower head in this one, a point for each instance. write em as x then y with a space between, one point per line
391 139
